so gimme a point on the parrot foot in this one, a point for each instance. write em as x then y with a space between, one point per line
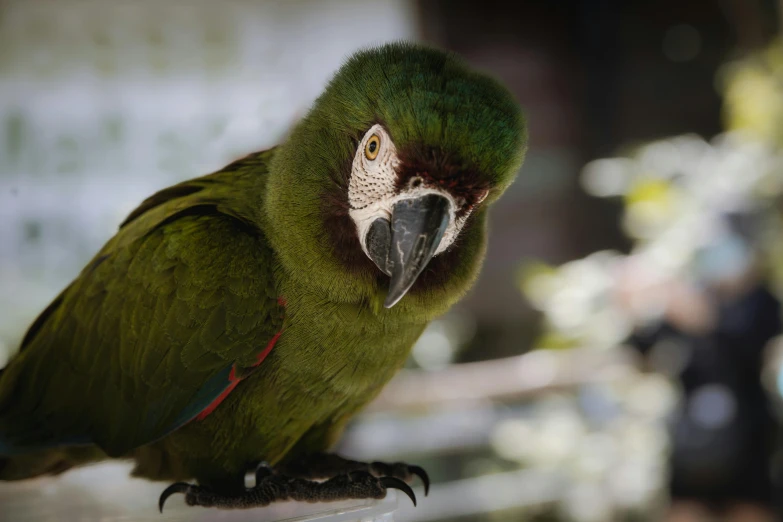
271 487
328 465
401 471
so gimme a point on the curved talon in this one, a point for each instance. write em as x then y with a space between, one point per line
419 472
391 482
263 470
178 487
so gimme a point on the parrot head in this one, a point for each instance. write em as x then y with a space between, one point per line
383 186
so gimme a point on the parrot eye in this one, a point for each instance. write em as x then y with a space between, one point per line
372 147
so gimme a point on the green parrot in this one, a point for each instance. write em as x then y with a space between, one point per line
237 321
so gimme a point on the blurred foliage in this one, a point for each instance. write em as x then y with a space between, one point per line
702 213
753 94
753 90
698 213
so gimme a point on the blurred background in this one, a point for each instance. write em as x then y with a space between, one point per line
619 358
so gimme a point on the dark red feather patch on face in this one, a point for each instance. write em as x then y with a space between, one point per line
432 168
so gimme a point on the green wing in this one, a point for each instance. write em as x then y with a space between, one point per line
147 335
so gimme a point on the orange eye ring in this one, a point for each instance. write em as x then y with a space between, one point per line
373 147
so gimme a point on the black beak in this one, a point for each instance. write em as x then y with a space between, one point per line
403 249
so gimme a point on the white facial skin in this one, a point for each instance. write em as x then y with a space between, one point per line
371 188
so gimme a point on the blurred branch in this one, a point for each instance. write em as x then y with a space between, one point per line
439 433
509 378
487 494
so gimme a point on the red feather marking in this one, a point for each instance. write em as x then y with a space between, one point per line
234 380
282 302
262 355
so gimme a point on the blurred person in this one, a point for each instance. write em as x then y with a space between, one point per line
712 341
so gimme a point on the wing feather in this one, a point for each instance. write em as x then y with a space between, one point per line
149 333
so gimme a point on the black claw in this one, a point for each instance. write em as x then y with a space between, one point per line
262 471
419 472
179 487
391 482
